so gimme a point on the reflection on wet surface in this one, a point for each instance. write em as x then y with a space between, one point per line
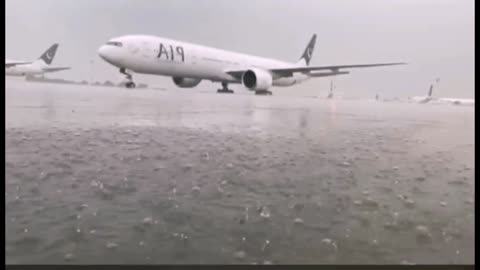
99 175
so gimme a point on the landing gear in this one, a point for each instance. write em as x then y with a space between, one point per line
263 93
225 89
129 84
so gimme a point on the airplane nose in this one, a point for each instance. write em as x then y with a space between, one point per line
103 52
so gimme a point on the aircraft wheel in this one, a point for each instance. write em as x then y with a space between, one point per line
130 85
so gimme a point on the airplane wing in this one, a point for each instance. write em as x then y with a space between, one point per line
324 74
287 72
54 69
12 64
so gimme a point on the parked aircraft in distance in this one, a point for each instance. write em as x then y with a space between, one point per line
431 99
37 67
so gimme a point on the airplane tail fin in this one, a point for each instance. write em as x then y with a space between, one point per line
307 54
430 92
48 55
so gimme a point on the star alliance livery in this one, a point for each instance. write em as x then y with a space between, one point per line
188 64
37 67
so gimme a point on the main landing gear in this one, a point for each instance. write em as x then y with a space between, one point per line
129 84
263 93
225 89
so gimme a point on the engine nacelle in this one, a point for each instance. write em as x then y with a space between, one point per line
186 82
257 79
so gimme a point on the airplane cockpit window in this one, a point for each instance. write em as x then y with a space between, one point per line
115 43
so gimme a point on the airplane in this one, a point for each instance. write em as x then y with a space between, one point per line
431 99
37 67
188 64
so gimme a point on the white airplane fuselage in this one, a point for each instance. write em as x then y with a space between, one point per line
35 68
167 57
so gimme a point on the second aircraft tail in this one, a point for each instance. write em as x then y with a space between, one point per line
48 55
308 53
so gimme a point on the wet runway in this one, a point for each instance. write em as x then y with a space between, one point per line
105 175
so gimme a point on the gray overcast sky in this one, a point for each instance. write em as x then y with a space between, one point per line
435 36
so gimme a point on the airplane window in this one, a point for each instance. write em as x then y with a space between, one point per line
115 43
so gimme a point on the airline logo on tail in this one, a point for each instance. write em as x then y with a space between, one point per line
308 53
49 54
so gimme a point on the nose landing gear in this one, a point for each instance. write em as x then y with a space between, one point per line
129 84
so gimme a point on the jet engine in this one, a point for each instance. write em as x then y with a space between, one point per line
257 79
186 82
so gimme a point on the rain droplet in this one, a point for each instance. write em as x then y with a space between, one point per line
68 256
327 241
148 221
405 262
409 203
265 245
196 190
423 233
345 164
298 221
357 202
239 254
265 213
111 245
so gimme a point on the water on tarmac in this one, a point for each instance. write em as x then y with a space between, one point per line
106 175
